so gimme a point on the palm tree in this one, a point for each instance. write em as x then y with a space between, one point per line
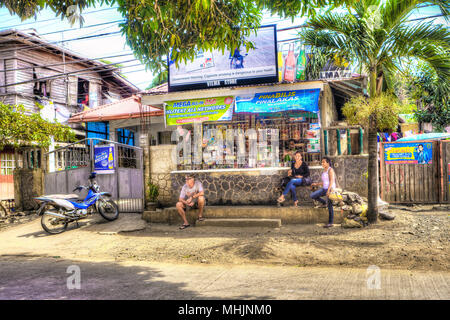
375 35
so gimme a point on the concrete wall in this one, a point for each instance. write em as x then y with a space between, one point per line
28 183
328 113
161 164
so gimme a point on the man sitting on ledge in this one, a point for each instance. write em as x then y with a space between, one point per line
191 196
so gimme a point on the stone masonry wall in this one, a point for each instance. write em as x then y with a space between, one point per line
262 187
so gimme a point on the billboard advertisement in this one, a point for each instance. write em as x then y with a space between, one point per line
306 100
104 159
216 69
198 110
413 152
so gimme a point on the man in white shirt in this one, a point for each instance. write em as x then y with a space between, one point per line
191 196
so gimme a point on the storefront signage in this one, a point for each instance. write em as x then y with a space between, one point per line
217 69
306 100
199 110
414 152
104 159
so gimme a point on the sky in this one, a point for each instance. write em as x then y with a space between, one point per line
116 44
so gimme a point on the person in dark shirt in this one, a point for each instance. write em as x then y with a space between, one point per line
299 174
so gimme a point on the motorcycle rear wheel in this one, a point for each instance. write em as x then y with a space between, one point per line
52 224
108 209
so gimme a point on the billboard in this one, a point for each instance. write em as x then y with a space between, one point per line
198 110
216 69
413 152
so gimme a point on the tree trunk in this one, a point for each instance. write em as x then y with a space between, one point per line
372 212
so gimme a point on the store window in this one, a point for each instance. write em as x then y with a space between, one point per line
295 131
125 136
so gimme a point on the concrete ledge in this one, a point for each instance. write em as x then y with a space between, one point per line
270 223
287 215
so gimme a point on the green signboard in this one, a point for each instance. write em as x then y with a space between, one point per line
198 110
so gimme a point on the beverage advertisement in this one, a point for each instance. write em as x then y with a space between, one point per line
292 61
198 110
104 159
413 152
217 69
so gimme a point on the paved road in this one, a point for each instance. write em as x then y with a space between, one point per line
38 277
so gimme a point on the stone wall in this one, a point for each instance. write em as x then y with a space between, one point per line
262 186
161 164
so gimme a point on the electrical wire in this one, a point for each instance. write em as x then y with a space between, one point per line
53 19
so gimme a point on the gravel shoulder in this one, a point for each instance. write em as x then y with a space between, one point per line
416 240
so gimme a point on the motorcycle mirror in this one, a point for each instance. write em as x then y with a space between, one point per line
93 175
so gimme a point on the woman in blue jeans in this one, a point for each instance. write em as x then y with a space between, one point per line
328 184
299 173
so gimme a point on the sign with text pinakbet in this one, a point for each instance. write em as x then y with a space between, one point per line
198 110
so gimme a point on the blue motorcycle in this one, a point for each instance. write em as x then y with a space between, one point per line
58 211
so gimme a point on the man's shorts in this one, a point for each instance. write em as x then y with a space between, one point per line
195 206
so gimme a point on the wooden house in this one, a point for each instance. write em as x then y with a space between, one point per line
34 70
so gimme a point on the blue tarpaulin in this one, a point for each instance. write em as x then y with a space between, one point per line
306 100
426 136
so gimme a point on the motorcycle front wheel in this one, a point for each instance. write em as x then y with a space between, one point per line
108 209
52 224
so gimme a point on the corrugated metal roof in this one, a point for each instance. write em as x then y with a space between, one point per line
123 109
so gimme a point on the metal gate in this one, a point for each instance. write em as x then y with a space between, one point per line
71 165
413 182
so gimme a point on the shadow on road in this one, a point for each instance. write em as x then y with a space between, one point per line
26 276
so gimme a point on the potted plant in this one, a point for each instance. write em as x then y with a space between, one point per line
153 193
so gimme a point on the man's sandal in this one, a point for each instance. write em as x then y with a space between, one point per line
184 226
201 219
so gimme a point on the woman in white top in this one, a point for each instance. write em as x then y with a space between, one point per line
328 184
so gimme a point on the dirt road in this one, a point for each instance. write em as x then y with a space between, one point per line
156 261
35 277
415 240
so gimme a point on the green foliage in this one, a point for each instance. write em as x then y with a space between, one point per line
153 192
154 27
19 129
160 78
386 107
432 97
378 38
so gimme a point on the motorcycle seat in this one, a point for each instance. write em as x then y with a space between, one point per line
62 196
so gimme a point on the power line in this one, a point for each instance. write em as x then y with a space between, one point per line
70 62
81 71
57 18
46 43
84 27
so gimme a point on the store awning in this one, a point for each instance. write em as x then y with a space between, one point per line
123 109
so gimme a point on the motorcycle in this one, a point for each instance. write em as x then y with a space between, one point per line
58 211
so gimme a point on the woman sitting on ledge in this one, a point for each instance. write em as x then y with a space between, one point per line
299 174
328 184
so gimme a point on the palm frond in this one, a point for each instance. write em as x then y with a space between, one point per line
436 58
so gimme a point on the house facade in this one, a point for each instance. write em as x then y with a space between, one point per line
36 72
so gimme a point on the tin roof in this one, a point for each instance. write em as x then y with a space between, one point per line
123 109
